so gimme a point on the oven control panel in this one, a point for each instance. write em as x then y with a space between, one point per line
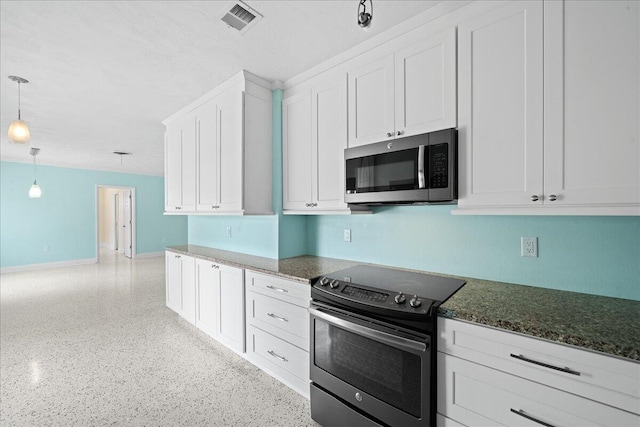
396 301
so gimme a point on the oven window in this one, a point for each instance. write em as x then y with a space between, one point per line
397 170
388 373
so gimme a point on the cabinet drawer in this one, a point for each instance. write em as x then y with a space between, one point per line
276 287
287 321
603 378
476 395
278 358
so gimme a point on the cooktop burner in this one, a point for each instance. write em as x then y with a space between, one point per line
378 288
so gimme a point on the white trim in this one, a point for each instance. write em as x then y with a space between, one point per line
277 84
150 255
43 266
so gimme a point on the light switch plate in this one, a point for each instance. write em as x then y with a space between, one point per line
347 234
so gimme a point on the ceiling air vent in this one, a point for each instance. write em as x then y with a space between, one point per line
239 17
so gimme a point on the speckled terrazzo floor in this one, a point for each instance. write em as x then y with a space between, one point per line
95 345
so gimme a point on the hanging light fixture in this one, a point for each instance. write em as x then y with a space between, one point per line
365 18
18 130
34 192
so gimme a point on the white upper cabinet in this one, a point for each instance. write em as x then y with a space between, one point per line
227 144
500 83
548 109
180 165
315 136
592 99
296 133
408 92
371 97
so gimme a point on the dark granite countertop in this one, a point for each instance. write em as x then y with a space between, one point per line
604 324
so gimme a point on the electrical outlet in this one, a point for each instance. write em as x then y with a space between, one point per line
529 246
46 248
347 234
228 231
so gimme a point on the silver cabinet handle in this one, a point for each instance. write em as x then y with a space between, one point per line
178 256
535 198
389 134
400 132
277 289
282 319
529 417
553 197
546 365
277 356
178 208
215 207
217 267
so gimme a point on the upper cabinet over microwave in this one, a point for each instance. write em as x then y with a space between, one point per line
408 92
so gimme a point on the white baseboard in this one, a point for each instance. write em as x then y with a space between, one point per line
43 266
150 255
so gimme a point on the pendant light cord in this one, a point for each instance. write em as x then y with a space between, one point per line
19 108
35 176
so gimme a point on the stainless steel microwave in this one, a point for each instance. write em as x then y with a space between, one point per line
413 170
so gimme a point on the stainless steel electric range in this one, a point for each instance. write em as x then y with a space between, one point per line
373 346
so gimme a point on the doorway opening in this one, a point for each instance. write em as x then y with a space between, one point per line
115 221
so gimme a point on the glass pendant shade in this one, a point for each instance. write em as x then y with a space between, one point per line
18 132
35 192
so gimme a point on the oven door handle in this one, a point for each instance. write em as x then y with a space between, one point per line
389 339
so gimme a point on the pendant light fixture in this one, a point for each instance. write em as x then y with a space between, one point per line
364 17
34 192
18 130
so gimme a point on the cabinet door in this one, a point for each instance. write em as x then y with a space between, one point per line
188 162
500 126
173 168
371 97
425 88
296 133
207 296
188 288
231 320
208 188
329 139
592 103
173 281
230 143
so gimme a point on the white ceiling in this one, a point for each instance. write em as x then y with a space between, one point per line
103 74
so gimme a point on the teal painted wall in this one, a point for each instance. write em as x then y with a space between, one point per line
64 217
271 236
593 255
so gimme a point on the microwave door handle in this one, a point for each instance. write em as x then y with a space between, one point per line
421 180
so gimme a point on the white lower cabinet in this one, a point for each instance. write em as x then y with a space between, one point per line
492 377
180 285
278 328
220 303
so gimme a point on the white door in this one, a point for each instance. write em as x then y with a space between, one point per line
173 267
173 168
207 296
425 88
230 142
231 320
188 162
188 288
329 139
296 134
116 215
127 209
500 122
371 102
208 158
592 103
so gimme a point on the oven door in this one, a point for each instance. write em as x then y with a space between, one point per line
370 369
